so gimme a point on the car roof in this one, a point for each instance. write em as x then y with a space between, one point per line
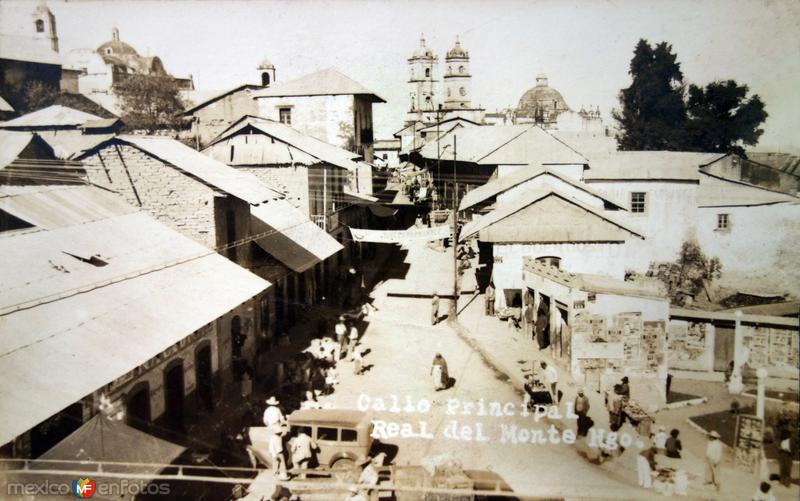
335 417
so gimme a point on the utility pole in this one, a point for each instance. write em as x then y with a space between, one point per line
438 153
453 315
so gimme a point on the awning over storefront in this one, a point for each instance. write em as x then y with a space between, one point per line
291 237
106 441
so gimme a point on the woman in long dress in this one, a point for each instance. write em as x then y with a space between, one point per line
439 372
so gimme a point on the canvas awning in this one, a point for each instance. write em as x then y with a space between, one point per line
103 440
291 237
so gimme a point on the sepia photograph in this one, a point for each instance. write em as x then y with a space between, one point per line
411 250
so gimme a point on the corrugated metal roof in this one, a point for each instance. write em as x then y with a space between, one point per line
448 125
29 49
52 116
285 134
61 315
227 179
715 191
645 165
327 82
504 183
296 241
503 145
56 206
257 150
784 162
527 198
4 106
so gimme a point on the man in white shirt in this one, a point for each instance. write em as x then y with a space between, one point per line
303 448
341 331
713 458
551 378
273 417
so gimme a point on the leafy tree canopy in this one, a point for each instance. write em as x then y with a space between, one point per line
149 103
657 113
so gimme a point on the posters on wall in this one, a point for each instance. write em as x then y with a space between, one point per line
652 344
748 441
628 329
771 347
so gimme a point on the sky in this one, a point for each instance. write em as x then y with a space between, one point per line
584 47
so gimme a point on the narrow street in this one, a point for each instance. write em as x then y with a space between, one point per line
402 344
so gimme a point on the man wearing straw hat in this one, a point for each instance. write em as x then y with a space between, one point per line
713 458
273 417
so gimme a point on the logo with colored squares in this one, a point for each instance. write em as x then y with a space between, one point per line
83 487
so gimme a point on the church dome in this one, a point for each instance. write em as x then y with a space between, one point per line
541 99
457 51
265 64
116 47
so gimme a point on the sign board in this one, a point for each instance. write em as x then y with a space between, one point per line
400 236
748 442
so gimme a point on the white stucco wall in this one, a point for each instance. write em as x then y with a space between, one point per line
761 241
602 259
317 116
669 220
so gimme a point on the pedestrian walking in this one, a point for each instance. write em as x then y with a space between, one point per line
352 338
341 330
614 407
645 466
530 320
490 295
276 452
582 411
551 378
625 390
441 376
357 357
435 309
713 458
785 458
303 448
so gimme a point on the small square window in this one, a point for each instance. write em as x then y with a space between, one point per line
285 115
349 435
723 221
638 202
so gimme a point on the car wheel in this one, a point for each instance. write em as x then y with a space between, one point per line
343 470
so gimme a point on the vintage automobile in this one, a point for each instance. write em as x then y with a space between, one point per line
344 437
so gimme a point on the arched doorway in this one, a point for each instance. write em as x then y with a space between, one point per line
265 78
137 408
174 396
204 377
55 429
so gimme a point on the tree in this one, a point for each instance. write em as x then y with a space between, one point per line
657 114
653 113
149 102
38 95
720 116
690 273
